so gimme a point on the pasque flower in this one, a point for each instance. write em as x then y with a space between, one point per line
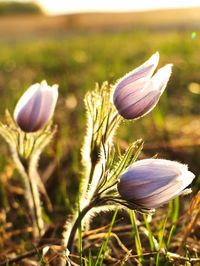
36 106
137 93
151 183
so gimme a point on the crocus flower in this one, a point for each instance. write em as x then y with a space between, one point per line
151 183
36 106
137 93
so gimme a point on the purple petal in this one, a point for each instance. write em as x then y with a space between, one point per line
144 71
134 89
160 79
139 108
36 106
48 103
136 103
152 182
27 109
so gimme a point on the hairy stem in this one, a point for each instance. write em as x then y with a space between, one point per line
31 195
28 193
75 225
87 179
36 200
93 165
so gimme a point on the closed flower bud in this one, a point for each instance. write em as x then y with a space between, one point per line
137 93
36 107
151 183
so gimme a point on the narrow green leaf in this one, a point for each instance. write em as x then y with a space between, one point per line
161 240
137 236
108 236
176 210
99 254
138 151
149 233
126 160
119 151
104 246
85 262
91 263
187 253
170 236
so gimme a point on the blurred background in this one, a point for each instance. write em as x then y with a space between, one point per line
78 44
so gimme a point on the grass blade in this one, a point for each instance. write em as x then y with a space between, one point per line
104 246
174 209
174 212
149 233
137 236
99 255
91 263
161 240
170 236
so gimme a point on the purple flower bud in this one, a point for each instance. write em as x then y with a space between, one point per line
36 106
137 93
151 183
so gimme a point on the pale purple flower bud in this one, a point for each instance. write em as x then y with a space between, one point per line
151 183
36 106
137 93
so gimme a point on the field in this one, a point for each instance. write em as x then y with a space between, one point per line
75 52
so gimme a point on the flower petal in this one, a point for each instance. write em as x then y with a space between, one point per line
36 106
141 107
153 182
139 102
48 103
28 107
144 71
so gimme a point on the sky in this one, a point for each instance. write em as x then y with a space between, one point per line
54 7
71 6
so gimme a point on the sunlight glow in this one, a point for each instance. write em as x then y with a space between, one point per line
54 7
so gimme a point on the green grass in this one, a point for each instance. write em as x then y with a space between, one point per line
82 59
